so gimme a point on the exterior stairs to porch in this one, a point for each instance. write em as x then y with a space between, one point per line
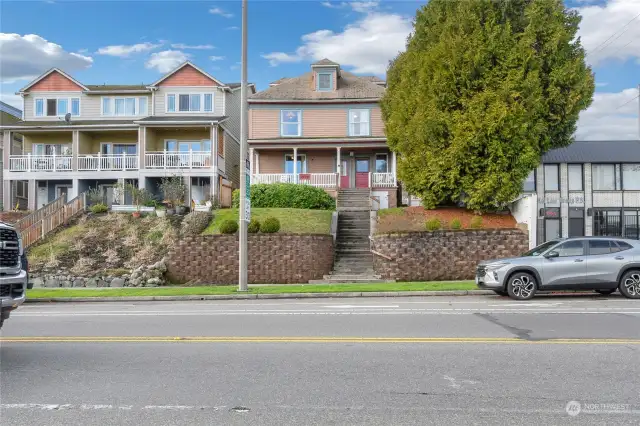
353 261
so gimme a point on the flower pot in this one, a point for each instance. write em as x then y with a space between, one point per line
161 212
135 214
181 210
170 212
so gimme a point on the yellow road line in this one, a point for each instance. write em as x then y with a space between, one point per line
235 339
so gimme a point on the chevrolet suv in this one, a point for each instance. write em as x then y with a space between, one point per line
603 264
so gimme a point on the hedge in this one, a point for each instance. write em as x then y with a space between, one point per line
287 195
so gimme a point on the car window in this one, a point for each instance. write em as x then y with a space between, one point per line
570 248
537 251
599 247
620 246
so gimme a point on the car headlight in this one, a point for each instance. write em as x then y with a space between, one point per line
496 266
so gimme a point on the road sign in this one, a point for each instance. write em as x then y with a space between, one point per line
247 203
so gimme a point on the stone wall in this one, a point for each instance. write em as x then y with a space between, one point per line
443 255
273 258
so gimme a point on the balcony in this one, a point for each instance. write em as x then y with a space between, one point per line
108 162
40 163
178 160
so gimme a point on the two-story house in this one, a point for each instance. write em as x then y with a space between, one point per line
589 188
323 128
78 136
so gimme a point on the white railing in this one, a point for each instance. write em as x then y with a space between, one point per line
383 180
108 162
321 180
40 163
178 160
273 178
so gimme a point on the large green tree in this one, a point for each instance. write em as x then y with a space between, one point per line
484 88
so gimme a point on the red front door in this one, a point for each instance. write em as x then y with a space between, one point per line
362 172
344 176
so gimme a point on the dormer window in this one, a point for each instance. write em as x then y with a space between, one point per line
325 83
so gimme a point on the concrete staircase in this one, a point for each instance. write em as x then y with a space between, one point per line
353 261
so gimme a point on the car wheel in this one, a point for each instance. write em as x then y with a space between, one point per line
500 292
630 285
522 286
606 292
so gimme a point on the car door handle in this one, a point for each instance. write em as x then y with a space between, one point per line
579 260
619 258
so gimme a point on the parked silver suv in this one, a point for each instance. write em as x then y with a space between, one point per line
603 264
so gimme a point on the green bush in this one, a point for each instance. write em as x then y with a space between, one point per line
433 224
235 198
455 224
254 226
287 195
99 208
229 227
476 222
270 225
195 222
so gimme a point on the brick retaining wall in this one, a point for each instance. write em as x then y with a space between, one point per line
443 255
273 258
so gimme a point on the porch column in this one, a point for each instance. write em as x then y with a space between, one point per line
214 161
394 165
257 162
295 164
32 195
73 191
251 160
6 195
187 196
75 149
142 146
121 182
338 167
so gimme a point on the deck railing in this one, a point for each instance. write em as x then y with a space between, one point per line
178 160
108 162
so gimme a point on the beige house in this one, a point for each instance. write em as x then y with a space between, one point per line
78 136
329 121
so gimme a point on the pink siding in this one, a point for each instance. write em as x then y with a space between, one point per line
377 125
188 76
55 82
271 161
318 161
264 123
318 123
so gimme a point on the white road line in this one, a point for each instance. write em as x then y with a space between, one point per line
96 407
360 306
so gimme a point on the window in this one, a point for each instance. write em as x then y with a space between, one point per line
208 102
570 248
575 177
382 163
189 102
106 106
529 184
183 103
52 107
63 106
631 177
551 177
324 82
359 122
75 106
194 102
301 166
604 177
39 107
576 222
119 109
599 247
607 223
186 146
142 106
171 103
130 106
126 107
290 123
621 246
21 188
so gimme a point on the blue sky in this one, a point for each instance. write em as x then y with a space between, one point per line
136 42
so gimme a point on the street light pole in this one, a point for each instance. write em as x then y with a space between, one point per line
245 203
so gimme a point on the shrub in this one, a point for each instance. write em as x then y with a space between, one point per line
476 222
433 224
99 208
229 227
287 195
235 198
270 225
254 226
455 224
195 222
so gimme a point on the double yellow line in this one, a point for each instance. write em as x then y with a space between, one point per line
236 339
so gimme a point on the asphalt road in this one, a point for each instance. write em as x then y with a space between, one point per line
395 361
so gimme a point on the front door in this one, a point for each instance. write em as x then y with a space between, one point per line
345 174
62 191
569 268
362 172
43 194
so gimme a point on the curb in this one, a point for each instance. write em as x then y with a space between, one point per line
263 296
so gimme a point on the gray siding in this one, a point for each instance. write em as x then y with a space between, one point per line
90 106
233 103
218 100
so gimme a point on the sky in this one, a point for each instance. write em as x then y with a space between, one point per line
133 42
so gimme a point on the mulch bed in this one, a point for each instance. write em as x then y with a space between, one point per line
414 218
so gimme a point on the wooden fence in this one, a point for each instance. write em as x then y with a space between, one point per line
53 220
39 214
226 195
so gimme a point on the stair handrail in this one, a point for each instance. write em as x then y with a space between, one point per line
37 215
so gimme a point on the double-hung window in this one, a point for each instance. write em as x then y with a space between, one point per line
125 107
208 102
189 102
291 123
324 82
604 177
551 177
56 107
301 167
575 177
359 122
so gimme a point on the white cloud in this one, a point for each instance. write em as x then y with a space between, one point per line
357 6
26 57
218 11
233 28
122 50
611 116
166 60
366 45
607 33
216 58
193 46
602 84
12 99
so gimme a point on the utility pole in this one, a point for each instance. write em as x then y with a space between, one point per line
245 202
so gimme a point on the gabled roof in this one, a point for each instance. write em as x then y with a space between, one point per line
116 87
325 63
184 64
625 151
350 88
49 72
11 110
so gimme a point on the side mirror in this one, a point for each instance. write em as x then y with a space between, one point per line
552 254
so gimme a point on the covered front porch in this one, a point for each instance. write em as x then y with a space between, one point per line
329 168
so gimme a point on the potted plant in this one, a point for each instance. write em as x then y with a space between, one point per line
161 210
174 191
139 196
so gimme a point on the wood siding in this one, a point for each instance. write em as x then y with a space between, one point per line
187 76
318 161
90 106
264 123
55 82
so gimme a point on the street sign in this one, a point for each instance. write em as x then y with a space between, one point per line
247 203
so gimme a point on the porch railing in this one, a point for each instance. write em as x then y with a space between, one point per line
40 163
383 180
178 160
321 180
108 162
273 178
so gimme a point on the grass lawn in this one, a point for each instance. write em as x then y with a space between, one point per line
292 221
232 289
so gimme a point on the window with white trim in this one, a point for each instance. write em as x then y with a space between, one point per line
574 173
124 106
21 188
382 163
359 122
189 102
301 167
56 107
291 123
325 83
